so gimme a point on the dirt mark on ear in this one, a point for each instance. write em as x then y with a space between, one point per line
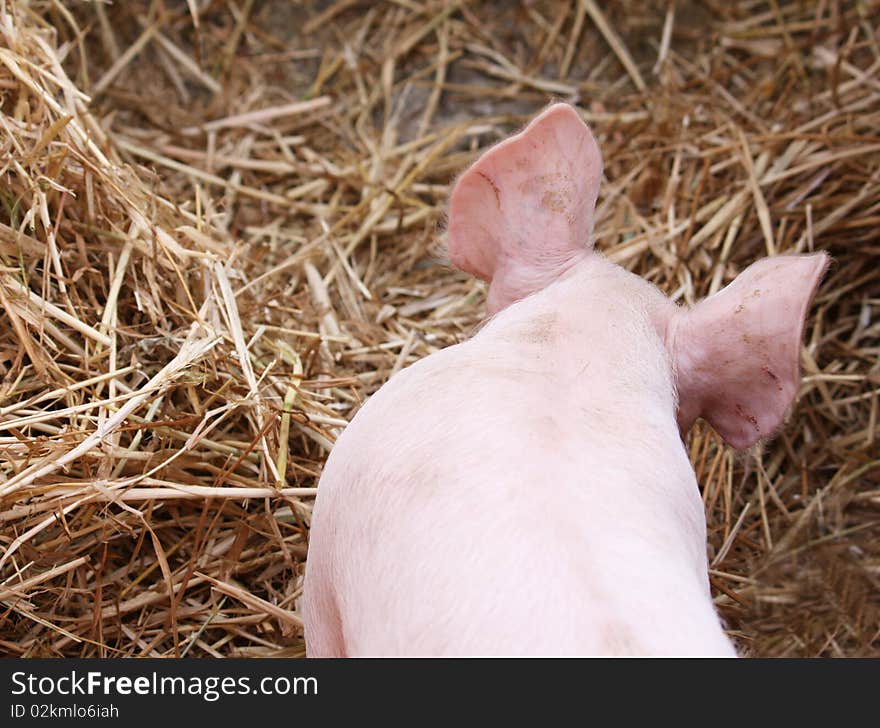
554 201
751 418
494 188
769 372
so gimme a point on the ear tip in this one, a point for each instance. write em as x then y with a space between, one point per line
818 262
819 258
561 112
560 108
804 271
823 262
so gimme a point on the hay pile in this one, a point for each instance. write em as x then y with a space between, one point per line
220 234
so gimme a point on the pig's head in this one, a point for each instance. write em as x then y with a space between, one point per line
522 216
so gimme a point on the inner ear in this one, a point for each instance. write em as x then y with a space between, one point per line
736 354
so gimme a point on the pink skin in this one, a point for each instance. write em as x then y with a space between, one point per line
527 492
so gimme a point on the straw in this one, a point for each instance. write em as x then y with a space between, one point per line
221 231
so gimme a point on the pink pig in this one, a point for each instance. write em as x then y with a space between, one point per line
527 492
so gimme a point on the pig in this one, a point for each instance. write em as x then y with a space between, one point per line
527 491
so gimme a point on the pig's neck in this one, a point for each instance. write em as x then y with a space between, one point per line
598 329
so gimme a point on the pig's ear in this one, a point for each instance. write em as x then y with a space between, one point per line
525 208
736 354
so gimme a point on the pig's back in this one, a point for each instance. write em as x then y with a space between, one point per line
471 509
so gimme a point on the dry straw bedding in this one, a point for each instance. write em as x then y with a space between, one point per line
221 231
